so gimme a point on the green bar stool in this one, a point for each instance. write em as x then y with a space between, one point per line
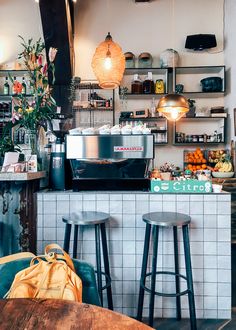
154 221
98 220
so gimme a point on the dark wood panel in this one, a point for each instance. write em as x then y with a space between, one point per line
57 22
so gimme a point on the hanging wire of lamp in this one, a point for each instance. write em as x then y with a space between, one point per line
173 106
108 63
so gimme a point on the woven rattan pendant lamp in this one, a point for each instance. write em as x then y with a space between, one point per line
108 63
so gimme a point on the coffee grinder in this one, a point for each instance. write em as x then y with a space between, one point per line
57 165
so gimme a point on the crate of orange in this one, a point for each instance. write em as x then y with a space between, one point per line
195 160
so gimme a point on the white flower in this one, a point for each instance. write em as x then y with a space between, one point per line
52 54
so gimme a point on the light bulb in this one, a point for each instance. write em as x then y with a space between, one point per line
174 113
108 63
37 1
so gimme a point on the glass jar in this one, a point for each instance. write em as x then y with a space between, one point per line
30 139
178 137
195 138
159 86
129 60
201 138
187 139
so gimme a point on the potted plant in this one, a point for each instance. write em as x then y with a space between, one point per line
166 171
123 94
192 108
35 111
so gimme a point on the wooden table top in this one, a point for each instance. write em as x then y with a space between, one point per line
56 314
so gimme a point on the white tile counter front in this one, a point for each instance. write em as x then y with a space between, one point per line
210 239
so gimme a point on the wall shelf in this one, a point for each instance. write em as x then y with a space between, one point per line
89 105
160 135
205 126
190 78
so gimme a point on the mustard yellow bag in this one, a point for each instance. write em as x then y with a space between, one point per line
53 278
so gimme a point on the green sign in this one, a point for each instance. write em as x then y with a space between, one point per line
183 187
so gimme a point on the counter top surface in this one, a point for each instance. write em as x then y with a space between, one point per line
24 176
128 192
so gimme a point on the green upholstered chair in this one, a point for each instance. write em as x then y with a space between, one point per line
83 269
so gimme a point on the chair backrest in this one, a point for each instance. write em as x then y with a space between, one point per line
83 269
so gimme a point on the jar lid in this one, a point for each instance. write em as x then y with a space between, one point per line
129 56
145 56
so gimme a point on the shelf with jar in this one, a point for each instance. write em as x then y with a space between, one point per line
7 80
145 82
157 125
92 106
7 92
200 81
200 131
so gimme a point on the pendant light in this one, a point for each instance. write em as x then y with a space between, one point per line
173 106
108 63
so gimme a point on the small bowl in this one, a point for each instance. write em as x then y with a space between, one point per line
222 174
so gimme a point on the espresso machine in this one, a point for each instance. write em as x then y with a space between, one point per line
110 162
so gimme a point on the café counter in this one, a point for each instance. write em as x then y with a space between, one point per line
210 239
18 211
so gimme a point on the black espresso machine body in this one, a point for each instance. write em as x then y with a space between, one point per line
110 162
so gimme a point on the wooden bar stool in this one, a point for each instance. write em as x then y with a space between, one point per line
154 221
98 220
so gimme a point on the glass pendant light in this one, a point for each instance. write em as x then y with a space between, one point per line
108 63
173 106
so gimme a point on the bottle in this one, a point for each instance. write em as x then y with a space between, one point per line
6 88
148 84
13 86
107 103
153 108
23 86
136 85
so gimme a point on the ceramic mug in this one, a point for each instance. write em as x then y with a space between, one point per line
217 188
179 88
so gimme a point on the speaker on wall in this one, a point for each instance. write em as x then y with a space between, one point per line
200 41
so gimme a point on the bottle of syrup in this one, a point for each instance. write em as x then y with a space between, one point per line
136 85
6 88
148 84
13 91
23 86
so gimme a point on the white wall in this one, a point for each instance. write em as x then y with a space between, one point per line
230 56
150 27
17 17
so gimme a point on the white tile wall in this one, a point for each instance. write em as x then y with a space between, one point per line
209 242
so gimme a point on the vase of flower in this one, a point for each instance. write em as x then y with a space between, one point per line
30 139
